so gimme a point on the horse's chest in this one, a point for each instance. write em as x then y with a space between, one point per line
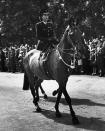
56 65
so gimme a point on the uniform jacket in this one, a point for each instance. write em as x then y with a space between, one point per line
44 31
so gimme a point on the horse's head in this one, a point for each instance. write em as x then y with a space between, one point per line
66 42
75 35
66 47
72 37
70 43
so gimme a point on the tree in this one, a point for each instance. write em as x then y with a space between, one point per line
19 18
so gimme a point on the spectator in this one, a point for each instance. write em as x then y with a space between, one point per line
2 60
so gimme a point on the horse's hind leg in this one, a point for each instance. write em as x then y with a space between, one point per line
68 100
37 85
43 92
33 90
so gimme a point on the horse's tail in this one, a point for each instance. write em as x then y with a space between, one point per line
25 82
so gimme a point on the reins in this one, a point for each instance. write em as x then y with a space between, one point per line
64 51
60 57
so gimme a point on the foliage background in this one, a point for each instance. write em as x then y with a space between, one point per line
18 18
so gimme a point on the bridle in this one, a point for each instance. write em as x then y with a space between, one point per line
61 58
73 50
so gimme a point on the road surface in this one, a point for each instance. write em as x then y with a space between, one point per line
17 112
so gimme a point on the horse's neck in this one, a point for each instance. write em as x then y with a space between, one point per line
78 33
65 43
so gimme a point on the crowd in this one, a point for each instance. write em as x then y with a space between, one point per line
11 58
97 55
93 60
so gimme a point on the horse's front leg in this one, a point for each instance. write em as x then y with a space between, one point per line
38 109
36 100
58 114
68 100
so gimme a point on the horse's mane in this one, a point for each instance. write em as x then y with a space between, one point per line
64 36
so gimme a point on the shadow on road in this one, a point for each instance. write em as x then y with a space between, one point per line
76 101
85 123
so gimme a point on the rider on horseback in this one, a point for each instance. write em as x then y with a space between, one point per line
45 33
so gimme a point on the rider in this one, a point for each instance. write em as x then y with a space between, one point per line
45 33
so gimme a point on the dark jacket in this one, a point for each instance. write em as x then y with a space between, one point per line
45 36
44 31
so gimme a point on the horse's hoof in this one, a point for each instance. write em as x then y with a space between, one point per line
54 93
45 96
75 121
58 115
38 109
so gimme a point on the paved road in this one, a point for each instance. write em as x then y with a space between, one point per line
17 113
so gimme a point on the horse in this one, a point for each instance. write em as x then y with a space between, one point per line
58 68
